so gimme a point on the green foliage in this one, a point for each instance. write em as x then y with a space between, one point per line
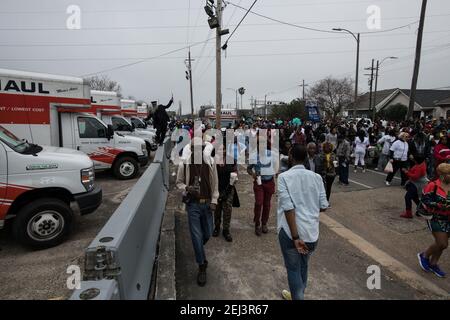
395 112
295 109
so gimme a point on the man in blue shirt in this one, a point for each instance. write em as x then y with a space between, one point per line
263 171
301 198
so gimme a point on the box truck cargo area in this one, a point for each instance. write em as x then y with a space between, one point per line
57 111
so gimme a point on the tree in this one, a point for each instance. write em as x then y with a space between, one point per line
295 109
396 112
332 95
104 83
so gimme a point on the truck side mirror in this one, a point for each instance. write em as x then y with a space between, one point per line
110 131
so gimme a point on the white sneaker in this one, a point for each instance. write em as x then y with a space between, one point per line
355 171
388 183
364 170
376 169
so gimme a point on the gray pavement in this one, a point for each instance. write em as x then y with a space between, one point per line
252 268
28 274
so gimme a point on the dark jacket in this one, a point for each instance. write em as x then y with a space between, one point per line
318 164
160 116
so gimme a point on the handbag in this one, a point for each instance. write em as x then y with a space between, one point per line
422 209
389 168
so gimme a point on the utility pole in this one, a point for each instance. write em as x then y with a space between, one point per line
265 106
371 85
189 76
219 65
376 84
303 86
415 78
357 75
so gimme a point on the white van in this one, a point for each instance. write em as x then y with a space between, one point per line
108 107
56 111
38 185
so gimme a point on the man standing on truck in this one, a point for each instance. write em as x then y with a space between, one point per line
160 120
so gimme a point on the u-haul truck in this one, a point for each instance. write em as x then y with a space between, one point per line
56 110
108 106
38 184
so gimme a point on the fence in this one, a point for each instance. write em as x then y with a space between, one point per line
119 261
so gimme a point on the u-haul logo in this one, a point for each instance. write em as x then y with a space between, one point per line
23 86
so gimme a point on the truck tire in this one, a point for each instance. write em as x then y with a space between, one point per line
125 168
43 223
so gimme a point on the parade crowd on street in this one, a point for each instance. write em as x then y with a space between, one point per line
309 157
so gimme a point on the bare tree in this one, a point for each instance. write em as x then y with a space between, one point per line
104 83
332 95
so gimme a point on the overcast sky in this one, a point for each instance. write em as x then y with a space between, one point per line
263 56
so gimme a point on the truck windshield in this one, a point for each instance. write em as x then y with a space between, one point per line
12 141
120 124
138 123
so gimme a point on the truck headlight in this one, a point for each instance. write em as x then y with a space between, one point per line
88 178
144 149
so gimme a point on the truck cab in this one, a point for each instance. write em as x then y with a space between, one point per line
38 184
108 107
107 148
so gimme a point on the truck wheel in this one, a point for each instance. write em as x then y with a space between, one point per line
43 223
125 168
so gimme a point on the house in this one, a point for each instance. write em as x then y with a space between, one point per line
428 103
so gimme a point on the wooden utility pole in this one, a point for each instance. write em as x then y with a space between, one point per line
415 78
303 87
189 61
219 65
376 84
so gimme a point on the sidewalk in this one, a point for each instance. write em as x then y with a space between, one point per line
252 267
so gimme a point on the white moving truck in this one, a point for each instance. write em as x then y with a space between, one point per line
108 106
38 185
56 111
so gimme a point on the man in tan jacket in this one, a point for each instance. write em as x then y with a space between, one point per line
197 177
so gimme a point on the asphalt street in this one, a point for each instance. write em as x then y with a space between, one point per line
28 274
362 229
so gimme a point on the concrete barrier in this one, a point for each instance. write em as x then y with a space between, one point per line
124 252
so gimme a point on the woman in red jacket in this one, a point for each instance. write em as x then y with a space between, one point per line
417 176
441 152
436 199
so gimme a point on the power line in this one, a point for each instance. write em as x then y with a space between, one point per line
121 44
320 30
146 59
240 22
163 56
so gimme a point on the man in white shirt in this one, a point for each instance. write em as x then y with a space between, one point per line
301 198
398 154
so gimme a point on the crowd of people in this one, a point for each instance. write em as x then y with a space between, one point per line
311 156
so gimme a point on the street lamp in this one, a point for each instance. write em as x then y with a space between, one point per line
357 38
376 79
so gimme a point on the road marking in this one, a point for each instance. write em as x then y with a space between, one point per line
382 174
403 272
361 184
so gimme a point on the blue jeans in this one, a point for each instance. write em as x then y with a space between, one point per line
200 220
296 265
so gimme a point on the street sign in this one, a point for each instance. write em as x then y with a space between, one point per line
313 112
